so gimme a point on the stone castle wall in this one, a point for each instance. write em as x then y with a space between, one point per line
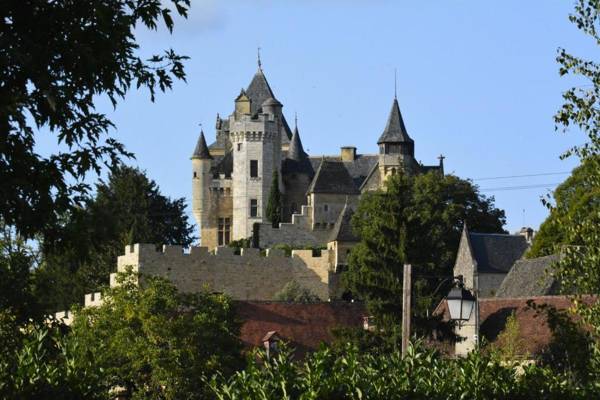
248 276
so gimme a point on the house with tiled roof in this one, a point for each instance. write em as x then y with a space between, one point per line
232 177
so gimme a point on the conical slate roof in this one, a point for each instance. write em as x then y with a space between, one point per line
258 91
395 131
296 151
201 150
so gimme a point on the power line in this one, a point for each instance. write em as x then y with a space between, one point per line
521 176
507 188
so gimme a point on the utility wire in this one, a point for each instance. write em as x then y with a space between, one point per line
521 176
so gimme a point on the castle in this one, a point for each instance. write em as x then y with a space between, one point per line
232 178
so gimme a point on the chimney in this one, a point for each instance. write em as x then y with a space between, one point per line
528 233
348 153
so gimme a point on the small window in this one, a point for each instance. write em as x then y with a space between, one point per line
325 207
253 207
253 168
221 191
224 231
293 208
195 174
239 146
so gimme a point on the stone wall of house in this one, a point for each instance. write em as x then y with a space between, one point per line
248 276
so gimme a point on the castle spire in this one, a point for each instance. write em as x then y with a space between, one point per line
296 151
201 151
395 131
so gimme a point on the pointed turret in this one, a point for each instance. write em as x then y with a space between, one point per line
395 131
296 151
201 151
394 138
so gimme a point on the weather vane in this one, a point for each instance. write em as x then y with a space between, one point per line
258 53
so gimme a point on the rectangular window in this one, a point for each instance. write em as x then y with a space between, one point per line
253 168
253 208
239 146
224 231
325 207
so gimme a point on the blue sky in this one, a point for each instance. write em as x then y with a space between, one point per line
477 82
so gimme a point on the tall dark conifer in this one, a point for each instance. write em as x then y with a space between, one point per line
274 202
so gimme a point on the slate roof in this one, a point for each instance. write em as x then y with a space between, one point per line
395 131
358 169
332 177
296 159
303 326
259 91
223 165
342 230
530 277
201 150
496 253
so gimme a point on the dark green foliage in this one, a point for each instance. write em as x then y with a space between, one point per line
294 293
57 58
274 202
422 374
17 261
416 220
38 361
156 342
575 200
128 208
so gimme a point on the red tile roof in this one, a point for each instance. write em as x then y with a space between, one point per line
533 326
303 326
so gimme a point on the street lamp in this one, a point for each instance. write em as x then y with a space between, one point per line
460 302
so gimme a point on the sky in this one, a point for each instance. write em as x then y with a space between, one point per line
476 81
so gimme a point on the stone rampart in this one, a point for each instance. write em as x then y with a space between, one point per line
247 276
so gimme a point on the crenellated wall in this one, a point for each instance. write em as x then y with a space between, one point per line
248 276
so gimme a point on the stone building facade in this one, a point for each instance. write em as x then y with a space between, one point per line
232 178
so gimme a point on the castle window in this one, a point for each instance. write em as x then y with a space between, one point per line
195 174
325 207
253 168
227 192
253 207
293 208
224 234
239 146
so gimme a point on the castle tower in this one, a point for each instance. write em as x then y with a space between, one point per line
396 148
201 178
255 132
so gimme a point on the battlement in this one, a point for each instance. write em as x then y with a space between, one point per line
93 299
249 275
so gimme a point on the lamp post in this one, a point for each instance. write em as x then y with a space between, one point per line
460 302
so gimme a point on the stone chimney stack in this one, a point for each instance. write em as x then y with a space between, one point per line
348 153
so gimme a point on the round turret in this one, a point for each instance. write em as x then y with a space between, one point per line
271 106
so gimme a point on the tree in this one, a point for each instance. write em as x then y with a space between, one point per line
128 208
510 345
17 260
274 202
58 57
415 220
155 342
293 292
39 361
578 269
576 199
